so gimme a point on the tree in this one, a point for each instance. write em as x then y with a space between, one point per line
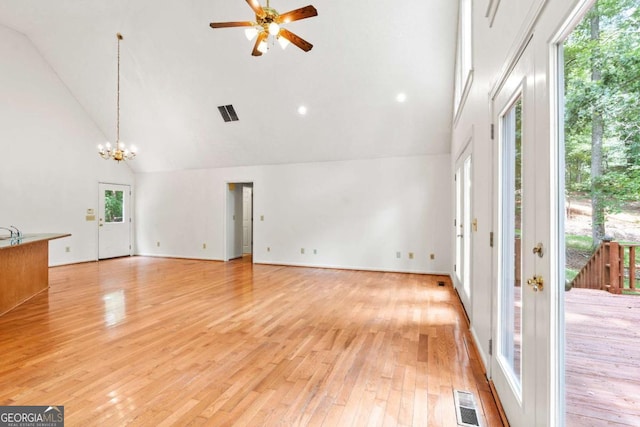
597 132
602 104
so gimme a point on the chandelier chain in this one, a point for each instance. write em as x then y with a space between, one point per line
119 36
119 152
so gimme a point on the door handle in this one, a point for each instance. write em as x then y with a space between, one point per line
539 249
536 282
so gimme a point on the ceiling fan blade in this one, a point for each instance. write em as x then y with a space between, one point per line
295 39
261 37
298 14
257 8
231 24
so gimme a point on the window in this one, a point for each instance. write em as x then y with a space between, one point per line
464 67
113 206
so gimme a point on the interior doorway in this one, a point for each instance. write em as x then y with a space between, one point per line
239 220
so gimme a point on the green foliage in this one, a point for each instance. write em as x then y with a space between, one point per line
570 273
582 243
615 95
113 206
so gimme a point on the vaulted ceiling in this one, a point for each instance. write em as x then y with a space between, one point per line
176 71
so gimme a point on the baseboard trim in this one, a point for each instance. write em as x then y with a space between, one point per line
353 268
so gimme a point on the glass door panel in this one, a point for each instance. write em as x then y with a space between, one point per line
510 337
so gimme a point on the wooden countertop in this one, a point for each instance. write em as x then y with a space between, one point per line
7 242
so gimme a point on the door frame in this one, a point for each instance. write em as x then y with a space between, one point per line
562 30
551 21
228 219
521 401
244 190
131 212
465 154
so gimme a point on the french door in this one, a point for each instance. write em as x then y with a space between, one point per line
521 358
463 226
114 221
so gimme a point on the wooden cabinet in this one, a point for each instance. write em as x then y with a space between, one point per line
24 268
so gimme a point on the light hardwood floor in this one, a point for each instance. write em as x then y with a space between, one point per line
153 342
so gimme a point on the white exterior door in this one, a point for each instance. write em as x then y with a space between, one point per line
247 220
114 221
521 361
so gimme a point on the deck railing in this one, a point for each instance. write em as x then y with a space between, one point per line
609 269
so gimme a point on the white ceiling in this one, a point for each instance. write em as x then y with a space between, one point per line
176 71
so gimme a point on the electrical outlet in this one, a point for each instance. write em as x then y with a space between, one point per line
432 256
268 249
398 255
204 246
410 255
67 249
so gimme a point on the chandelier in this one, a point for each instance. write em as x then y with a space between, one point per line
119 152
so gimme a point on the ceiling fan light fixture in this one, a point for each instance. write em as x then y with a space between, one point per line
251 33
269 25
274 28
283 42
263 47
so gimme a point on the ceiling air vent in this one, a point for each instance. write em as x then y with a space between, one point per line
465 408
228 113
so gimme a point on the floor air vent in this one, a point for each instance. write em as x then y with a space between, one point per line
465 408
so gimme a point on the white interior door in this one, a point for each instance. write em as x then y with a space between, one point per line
520 363
463 224
114 221
247 219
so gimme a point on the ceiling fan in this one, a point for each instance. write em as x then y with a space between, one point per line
269 22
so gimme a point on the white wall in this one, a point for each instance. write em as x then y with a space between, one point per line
49 169
355 214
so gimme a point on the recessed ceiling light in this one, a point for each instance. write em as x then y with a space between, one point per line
302 110
401 97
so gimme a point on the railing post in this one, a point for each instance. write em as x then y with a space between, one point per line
632 267
614 268
605 263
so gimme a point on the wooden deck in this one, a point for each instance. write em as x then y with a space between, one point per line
602 358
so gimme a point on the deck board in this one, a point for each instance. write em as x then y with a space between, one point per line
602 366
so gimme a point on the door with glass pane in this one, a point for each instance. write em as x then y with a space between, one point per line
520 358
463 226
114 221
